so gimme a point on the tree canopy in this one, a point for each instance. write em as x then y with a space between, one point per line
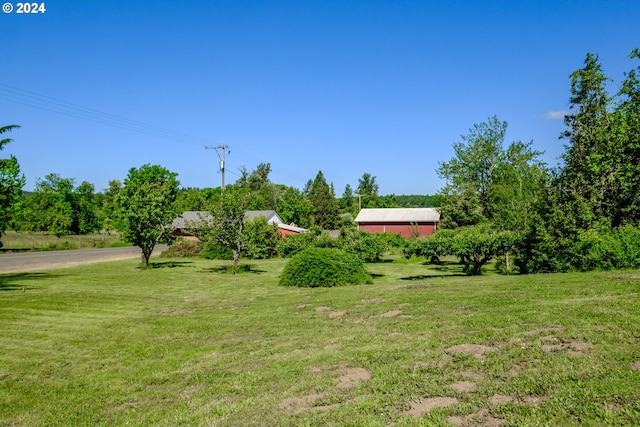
146 207
11 182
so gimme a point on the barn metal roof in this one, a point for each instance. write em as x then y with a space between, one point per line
398 215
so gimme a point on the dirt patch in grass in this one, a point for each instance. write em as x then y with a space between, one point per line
480 418
322 308
463 386
574 347
337 314
391 313
636 365
475 350
418 409
352 377
500 399
300 306
299 404
372 301
552 328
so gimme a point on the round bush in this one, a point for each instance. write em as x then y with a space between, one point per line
324 267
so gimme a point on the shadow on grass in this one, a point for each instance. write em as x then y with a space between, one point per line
376 275
170 264
445 269
228 269
11 282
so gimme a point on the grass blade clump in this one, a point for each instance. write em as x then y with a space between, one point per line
324 267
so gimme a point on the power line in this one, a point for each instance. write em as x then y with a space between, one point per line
47 103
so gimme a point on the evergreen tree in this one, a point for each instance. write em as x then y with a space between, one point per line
325 205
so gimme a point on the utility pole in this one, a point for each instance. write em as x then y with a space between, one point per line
221 156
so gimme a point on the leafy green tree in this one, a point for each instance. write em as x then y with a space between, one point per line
56 206
108 214
146 207
369 247
418 201
294 208
486 182
325 205
475 245
260 239
225 224
197 199
85 209
11 182
368 190
264 193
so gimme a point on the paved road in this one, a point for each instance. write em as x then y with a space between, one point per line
38 261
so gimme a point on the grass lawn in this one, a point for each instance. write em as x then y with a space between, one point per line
185 343
45 241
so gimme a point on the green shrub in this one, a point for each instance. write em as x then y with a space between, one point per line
607 250
260 239
183 248
291 245
216 251
324 267
366 246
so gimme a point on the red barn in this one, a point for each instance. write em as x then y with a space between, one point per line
408 222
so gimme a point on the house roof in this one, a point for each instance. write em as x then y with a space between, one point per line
187 218
398 215
272 216
292 228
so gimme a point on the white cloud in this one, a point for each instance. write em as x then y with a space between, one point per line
555 115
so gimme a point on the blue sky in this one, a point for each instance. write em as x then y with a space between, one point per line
346 87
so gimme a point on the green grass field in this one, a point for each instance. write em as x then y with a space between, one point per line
187 344
43 241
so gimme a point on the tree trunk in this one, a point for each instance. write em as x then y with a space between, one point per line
144 258
236 258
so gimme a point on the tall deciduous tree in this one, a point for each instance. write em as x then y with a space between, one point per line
146 207
57 206
108 213
11 182
293 207
225 223
486 181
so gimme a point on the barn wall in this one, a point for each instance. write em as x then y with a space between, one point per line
425 229
284 232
